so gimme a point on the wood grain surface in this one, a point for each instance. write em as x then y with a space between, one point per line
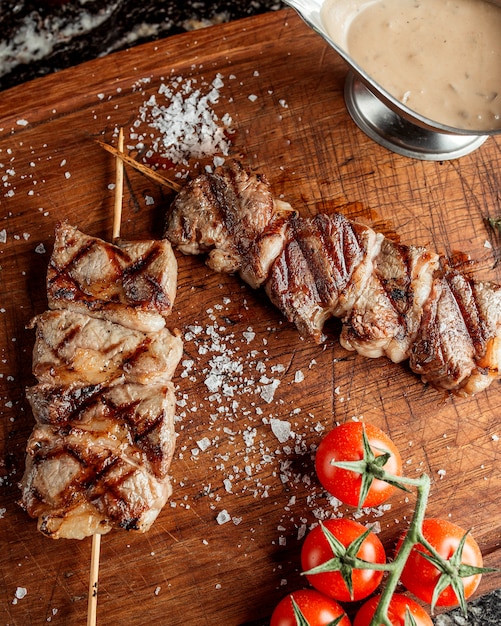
236 461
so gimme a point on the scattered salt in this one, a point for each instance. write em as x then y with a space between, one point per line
186 125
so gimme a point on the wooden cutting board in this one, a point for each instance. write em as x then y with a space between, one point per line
254 399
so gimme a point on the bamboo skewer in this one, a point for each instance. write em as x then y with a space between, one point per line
140 167
93 582
96 537
119 187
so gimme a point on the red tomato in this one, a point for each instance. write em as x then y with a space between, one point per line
317 609
420 576
345 443
316 550
396 612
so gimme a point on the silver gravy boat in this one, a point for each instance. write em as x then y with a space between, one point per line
386 120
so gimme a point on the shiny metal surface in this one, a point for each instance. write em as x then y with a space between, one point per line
385 119
389 129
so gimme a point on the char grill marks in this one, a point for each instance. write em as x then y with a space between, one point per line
399 301
131 283
101 449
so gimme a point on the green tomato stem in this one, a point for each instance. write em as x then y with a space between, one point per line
412 537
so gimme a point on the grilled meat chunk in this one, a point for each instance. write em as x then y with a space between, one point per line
138 418
321 270
459 341
78 482
385 318
131 283
230 215
71 347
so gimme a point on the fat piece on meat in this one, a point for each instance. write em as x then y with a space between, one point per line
130 282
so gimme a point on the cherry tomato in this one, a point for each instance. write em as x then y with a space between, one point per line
316 550
345 443
317 609
420 576
396 612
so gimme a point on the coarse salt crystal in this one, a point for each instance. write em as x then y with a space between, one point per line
268 391
249 335
203 443
299 377
223 517
281 429
21 592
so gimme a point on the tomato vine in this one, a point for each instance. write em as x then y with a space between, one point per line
448 571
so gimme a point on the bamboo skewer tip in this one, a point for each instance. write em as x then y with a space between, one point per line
119 183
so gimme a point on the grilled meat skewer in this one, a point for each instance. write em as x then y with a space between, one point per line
404 302
99 455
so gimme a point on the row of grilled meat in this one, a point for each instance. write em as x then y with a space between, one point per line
100 451
403 302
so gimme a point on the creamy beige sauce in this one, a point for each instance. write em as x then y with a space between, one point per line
441 58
